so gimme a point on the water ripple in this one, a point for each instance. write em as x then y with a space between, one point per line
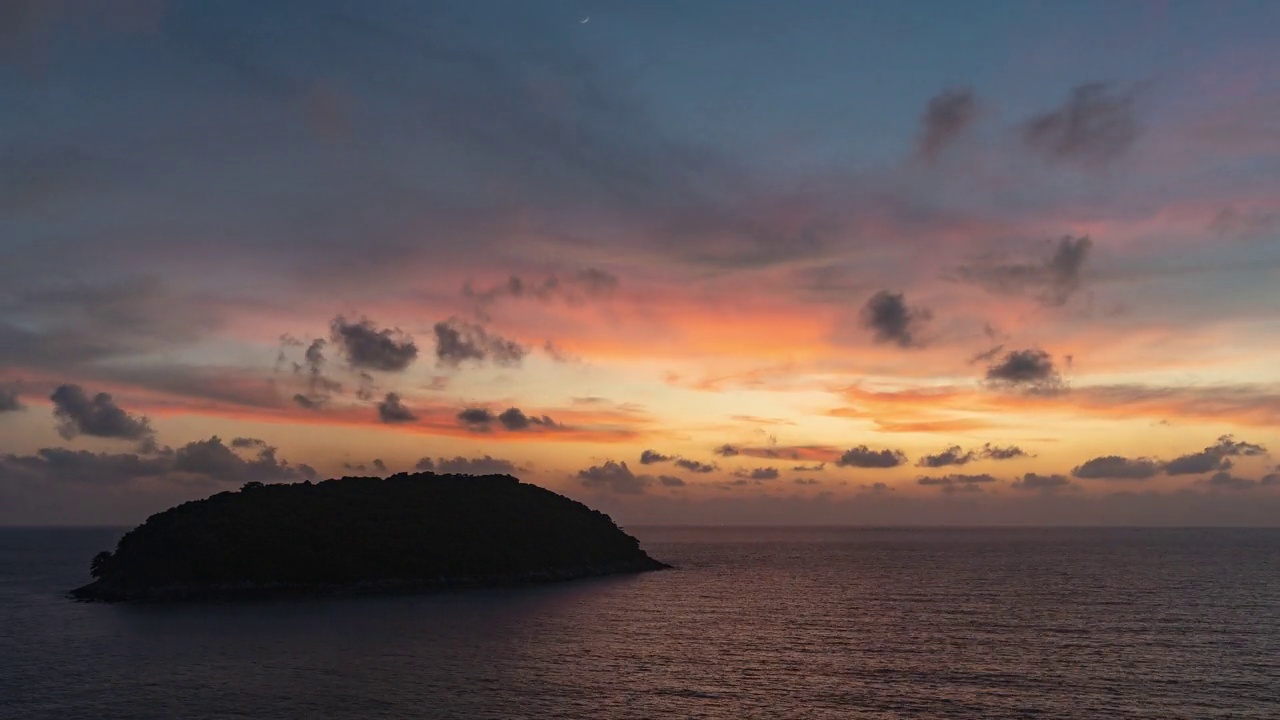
820 623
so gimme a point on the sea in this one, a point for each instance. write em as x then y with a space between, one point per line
752 623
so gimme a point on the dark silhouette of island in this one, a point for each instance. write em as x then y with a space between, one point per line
408 532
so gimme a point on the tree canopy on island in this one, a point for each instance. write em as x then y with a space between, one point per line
408 528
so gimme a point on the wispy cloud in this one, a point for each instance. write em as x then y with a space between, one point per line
1095 126
9 401
946 117
1051 280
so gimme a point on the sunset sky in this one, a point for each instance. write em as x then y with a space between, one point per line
707 262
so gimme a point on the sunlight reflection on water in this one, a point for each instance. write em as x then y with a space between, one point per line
777 623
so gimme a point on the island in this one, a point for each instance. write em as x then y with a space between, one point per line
356 535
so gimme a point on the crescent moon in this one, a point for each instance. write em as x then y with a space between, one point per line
584 20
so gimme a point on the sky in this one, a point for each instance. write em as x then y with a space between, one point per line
911 263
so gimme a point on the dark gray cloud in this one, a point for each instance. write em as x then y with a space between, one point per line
956 483
887 315
379 465
1030 369
287 340
773 451
477 418
1064 267
515 420
810 468
614 477
995 452
99 416
1216 457
1115 467
305 402
1228 481
555 352
511 419
649 457
206 459
758 474
807 481
215 460
1033 481
392 410
695 466
368 347
248 442
671 481
954 455
367 386
477 466
955 479
1093 127
9 401
319 386
986 355
468 466
864 457
1052 280
947 116
458 341
82 466
314 360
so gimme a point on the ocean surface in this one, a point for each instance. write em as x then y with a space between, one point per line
767 623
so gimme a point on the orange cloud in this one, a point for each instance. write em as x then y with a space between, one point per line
1252 405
